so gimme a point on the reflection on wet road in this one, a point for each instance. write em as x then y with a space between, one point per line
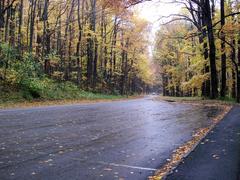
112 140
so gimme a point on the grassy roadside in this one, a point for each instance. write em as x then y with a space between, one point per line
44 91
198 100
18 100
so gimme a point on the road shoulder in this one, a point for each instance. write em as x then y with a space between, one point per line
217 155
45 103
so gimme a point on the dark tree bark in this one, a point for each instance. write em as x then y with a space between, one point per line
122 67
79 68
212 51
90 45
12 25
2 4
32 23
223 55
235 68
113 53
125 67
198 18
233 88
20 17
66 42
59 42
105 73
95 61
7 22
46 38
6 6
69 66
95 44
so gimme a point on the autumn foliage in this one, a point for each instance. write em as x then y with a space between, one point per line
198 51
99 45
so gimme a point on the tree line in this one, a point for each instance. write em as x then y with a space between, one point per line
198 50
100 45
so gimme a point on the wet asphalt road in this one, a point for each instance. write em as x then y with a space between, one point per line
112 140
217 156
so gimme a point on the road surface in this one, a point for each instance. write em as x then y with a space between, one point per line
217 155
112 140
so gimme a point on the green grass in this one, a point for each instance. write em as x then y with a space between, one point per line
170 98
20 96
6 97
33 90
18 99
227 100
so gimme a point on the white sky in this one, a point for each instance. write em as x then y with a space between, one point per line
155 9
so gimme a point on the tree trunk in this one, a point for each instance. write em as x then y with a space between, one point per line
212 52
66 41
90 44
79 68
46 38
7 22
12 26
20 11
31 25
234 70
95 64
233 92
113 53
223 55
202 40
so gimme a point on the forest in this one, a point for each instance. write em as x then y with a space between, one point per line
48 47
198 50
55 48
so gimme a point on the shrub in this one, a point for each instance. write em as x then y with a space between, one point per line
27 68
33 87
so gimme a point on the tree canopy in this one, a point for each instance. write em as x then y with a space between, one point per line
198 50
100 45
